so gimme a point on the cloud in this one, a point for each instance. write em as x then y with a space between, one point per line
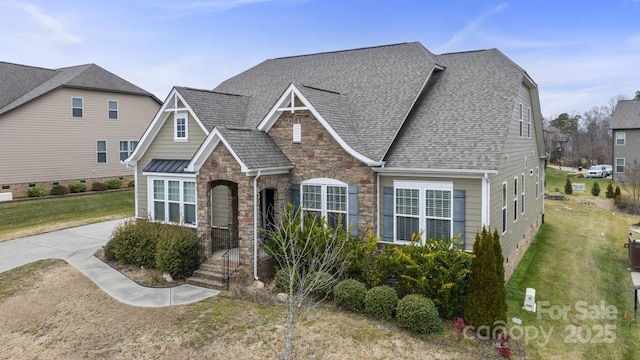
215 5
48 28
470 28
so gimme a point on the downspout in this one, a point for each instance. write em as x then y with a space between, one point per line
255 226
486 199
378 204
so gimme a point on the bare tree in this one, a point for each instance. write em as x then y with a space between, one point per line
632 183
309 255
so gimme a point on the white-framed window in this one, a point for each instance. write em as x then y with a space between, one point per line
529 122
112 108
537 182
180 127
504 207
522 193
77 106
423 206
126 148
101 151
173 200
620 165
521 118
326 198
620 138
515 199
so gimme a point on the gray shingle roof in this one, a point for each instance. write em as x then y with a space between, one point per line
167 166
461 121
214 108
379 84
20 84
626 115
255 148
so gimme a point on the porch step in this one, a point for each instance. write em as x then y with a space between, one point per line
209 275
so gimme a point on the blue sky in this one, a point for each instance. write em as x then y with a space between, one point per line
580 53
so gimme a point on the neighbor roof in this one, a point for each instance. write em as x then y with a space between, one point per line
626 115
20 84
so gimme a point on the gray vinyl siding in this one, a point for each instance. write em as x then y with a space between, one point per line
473 201
164 147
629 151
513 164
41 141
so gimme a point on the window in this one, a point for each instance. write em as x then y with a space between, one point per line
101 151
180 127
520 116
326 198
620 137
537 182
76 107
529 122
113 109
423 206
522 189
515 199
174 201
504 207
620 165
126 148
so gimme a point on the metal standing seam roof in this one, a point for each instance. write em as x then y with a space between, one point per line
167 166
626 115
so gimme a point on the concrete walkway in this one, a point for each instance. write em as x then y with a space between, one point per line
77 246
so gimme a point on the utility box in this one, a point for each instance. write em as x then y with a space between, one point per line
633 245
530 300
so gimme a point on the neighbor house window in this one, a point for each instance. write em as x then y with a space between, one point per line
515 199
101 151
620 163
522 189
76 107
326 198
180 126
521 116
423 206
113 109
620 137
504 207
537 182
529 122
126 148
174 201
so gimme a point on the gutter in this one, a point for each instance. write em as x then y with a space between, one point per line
255 226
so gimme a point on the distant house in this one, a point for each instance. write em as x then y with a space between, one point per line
557 144
392 138
70 124
625 125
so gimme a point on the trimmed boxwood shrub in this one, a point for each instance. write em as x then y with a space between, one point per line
98 186
59 190
37 191
324 284
418 314
114 183
177 251
381 302
350 294
281 280
77 187
134 242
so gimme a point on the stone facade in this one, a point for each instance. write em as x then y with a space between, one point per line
20 190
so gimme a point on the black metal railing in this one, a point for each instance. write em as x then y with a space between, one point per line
221 240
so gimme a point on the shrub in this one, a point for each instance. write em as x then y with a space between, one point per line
617 192
568 188
595 189
134 242
59 190
114 183
363 262
98 186
37 191
418 314
350 294
177 252
77 187
323 284
283 280
609 194
381 302
131 184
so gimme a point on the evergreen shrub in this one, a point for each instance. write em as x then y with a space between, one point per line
350 294
381 302
418 314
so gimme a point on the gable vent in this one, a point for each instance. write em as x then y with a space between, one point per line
297 133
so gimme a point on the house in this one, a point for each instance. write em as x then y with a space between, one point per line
557 144
392 138
71 124
625 126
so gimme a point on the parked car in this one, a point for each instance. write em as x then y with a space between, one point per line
609 170
596 171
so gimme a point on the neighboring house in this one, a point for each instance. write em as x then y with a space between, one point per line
71 124
392 138
557 144
625 125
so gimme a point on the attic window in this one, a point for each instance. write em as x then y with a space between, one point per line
180 126
297 133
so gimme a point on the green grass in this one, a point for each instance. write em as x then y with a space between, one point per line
577 262
28 217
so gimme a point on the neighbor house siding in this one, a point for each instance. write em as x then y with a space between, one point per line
164 147
630 151
41 141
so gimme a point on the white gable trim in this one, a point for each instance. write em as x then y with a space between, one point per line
285 103
158 122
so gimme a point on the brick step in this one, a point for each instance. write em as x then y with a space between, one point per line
211 267
205 274
207 283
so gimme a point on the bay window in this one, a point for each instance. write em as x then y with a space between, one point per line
173 201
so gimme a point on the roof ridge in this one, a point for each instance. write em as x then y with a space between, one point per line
342 51
208 91
27 66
